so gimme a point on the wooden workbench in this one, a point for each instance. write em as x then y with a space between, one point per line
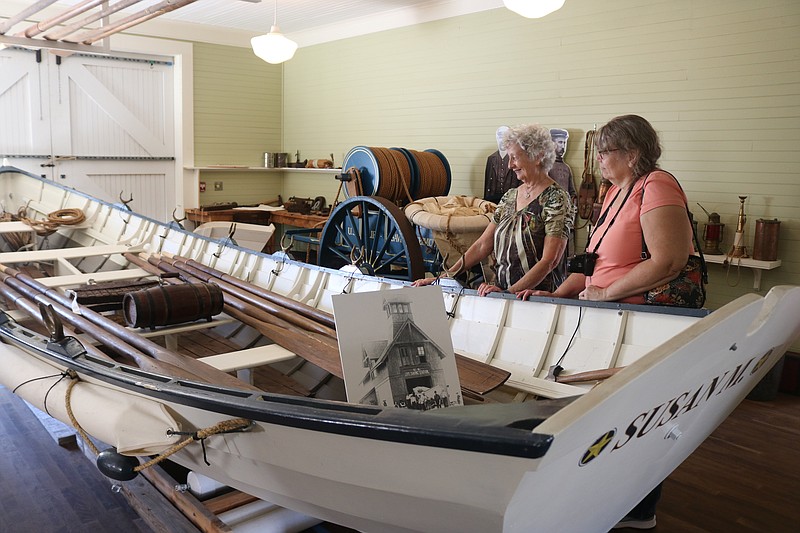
254 216
297 219
201 216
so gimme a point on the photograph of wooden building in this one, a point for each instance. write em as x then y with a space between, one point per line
393 352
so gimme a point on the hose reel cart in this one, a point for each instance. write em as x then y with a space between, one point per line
369 229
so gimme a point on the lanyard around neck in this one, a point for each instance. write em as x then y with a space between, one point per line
603 218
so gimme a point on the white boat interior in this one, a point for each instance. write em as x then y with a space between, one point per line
367 467
523 338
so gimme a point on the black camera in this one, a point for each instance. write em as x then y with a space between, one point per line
582 263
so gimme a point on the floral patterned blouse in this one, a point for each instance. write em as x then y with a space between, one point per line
519 237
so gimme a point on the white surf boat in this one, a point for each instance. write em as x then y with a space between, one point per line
486 466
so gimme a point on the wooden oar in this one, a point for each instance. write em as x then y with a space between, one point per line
29 305
590 375
32 310
286 315
25 284
279 299
320 350
475 376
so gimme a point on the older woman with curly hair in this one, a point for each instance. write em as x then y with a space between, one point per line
530 228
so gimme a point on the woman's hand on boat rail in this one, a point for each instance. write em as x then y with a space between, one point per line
524 294
423 282
488 288
593 293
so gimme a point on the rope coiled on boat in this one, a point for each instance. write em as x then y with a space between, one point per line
60 217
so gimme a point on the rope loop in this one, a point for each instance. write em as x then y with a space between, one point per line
60 217
225 426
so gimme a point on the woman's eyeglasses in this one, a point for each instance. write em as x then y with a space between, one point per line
601 154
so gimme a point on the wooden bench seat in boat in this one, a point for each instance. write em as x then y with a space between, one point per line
252 236
243 361
80 279
170 333
66 253
19 227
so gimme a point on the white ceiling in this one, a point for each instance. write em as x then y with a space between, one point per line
305 21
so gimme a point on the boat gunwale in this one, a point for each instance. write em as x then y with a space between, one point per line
447 288
341 418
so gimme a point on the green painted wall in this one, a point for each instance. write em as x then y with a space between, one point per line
720 80
238 116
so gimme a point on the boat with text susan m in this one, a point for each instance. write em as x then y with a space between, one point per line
282 430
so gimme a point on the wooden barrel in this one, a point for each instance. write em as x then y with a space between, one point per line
171 304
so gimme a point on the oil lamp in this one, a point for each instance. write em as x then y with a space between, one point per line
712 233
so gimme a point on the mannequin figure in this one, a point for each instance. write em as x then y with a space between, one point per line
561 172
499 178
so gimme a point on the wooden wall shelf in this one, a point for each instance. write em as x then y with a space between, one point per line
237 168
737 262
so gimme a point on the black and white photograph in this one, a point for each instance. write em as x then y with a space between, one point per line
396 349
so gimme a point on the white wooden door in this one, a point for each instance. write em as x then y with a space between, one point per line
105 126
24 104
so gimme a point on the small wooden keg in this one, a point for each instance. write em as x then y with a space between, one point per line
171 304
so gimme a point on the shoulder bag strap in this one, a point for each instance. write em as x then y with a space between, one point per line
698 247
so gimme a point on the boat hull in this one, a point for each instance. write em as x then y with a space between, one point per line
516 467
632 431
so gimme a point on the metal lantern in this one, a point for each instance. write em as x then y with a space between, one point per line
713 233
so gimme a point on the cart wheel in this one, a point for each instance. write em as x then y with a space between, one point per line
375 234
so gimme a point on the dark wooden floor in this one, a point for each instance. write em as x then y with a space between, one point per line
46 488
744 478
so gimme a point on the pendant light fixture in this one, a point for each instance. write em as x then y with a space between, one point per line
533 9
274 47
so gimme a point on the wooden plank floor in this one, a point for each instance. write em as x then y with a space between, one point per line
47 488
744 478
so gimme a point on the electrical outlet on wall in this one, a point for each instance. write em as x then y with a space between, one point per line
217 185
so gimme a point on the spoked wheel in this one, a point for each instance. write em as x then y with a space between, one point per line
374 234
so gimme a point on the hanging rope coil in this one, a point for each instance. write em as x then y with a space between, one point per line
401 175
433 174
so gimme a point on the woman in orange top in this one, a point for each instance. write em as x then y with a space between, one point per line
628 150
